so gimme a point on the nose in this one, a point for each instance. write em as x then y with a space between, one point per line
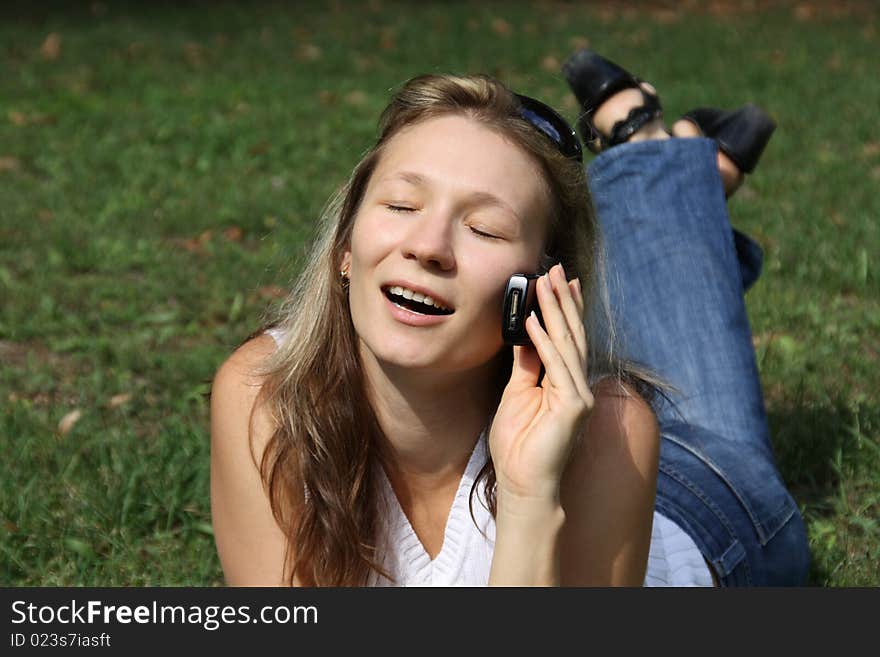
429 241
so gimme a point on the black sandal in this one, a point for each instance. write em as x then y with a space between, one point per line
741 134
593 80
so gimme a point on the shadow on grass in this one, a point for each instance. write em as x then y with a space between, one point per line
829 457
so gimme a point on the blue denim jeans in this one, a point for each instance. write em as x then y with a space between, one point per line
677 275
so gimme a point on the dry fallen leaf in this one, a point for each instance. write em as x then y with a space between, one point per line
17 118
550 64
271 292
310 52
356 97
501 26
9 163
804 12
67 422
233 234
387 41
327 97
119 400
871 149
194 53
51 47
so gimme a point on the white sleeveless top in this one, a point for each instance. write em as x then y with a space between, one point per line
469 542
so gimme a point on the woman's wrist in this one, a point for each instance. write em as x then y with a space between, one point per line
527 542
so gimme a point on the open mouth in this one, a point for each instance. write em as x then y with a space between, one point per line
414 301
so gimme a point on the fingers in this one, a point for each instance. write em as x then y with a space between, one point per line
526 367
562 311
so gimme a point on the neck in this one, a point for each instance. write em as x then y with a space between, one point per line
431 420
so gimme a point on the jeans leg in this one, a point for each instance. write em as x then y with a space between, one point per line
676 284
677 274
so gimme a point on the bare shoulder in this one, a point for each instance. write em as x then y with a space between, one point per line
240 372
249 541
620 413
608 491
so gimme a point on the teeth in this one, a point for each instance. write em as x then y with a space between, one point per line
415 296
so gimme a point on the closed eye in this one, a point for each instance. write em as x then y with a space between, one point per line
482 234
399 208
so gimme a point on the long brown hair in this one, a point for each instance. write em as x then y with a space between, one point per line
319 466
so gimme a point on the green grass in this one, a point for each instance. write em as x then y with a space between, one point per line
160 176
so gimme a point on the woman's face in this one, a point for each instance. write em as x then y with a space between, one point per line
451 212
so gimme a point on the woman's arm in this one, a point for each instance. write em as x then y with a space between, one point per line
598 530
250 543
608 493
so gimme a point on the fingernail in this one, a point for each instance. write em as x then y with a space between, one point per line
562 269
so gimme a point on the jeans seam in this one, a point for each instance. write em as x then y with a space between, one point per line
725 521
764 536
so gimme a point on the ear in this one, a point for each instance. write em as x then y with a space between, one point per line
346 261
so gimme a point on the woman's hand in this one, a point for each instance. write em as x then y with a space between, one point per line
538 423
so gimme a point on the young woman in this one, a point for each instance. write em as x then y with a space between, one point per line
381 432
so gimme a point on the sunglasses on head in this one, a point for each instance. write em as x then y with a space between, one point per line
549 122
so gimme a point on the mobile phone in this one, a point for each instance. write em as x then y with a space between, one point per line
520 299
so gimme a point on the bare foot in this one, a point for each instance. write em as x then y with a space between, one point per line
617 108
731 176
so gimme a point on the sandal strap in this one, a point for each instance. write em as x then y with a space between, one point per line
635 120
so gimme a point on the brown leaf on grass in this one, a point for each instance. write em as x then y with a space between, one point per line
326 97
271 292
196 244
22 119
833 63
51 47
309 52
356 97
388 40
10 526
871 149
837 219
259 148
118 400
804 12
501 27
194 53
67 422
233 234
579 42
9 163
550 64
665 16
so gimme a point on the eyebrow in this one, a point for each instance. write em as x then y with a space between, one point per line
480 197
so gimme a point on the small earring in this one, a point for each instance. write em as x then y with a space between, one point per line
343 275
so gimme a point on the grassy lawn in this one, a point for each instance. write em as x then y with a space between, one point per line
161 170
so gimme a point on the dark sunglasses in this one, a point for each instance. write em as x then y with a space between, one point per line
548 121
